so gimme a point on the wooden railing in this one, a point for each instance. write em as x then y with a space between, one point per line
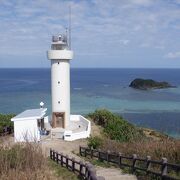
84 170
6 130
161 169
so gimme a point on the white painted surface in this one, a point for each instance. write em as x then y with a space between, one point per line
26 131
26 126
46 119
60 81
60 54
69 135
60 87
74 117
30 114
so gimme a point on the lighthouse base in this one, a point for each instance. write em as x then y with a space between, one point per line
79 128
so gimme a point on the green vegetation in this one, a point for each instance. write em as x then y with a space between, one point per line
115 127
62 172
5 121
120 136
94 142
27 161
169 148
145 84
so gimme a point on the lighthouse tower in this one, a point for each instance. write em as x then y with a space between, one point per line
60 56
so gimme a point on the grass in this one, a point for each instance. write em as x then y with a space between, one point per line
62 172
169 148
26 161
5 121
115 127
120 136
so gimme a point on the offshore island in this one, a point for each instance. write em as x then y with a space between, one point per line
147 84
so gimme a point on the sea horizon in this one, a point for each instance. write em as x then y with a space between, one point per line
96 88
91 68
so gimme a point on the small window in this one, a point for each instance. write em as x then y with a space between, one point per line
58 62
58 82
58 102
68 135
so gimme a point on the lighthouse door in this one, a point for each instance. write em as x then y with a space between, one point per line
58 120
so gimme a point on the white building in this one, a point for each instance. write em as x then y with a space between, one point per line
60 57
64 125
29 124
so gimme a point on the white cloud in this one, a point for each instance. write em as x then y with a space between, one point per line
106 26
173 55
142 2
125 41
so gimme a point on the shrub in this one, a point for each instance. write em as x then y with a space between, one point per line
94 142
169 148
25 161
115 127
5 121
101 117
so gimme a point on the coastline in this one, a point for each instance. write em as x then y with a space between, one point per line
97 88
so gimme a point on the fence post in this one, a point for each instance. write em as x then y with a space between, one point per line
61 159
73 164
134 163
164 167
92 173
107 156
50 153
57 157
67 160
120 159
54 155
80 168
148 165
99 155
85 152
91 153
80 151
86 171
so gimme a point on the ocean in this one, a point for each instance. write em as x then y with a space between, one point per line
92 89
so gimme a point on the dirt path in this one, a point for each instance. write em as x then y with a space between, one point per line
72 148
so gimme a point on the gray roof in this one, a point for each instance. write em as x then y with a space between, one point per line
30 114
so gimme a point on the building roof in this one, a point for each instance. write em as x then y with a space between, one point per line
30 114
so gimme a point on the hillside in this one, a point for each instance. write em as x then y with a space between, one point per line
118 135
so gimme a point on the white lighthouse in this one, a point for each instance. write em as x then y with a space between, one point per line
33 124
60 56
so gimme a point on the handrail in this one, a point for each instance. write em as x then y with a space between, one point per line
164 173
85 170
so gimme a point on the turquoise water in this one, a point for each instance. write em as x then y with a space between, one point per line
99 88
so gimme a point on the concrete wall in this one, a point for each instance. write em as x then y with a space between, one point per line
60 87
70 136
26 131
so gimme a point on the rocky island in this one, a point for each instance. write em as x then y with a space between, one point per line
146 84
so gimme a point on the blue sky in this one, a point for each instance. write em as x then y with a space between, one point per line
105 33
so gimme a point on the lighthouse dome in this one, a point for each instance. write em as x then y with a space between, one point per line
59 42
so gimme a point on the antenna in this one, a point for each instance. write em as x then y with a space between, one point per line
70 27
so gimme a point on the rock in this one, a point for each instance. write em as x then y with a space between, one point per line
146 84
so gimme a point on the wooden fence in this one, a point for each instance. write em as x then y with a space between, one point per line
6 130
162 169
85 171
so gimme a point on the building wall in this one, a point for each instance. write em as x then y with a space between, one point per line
70 136
60 87
26 130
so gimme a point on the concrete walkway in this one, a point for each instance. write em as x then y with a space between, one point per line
72 148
